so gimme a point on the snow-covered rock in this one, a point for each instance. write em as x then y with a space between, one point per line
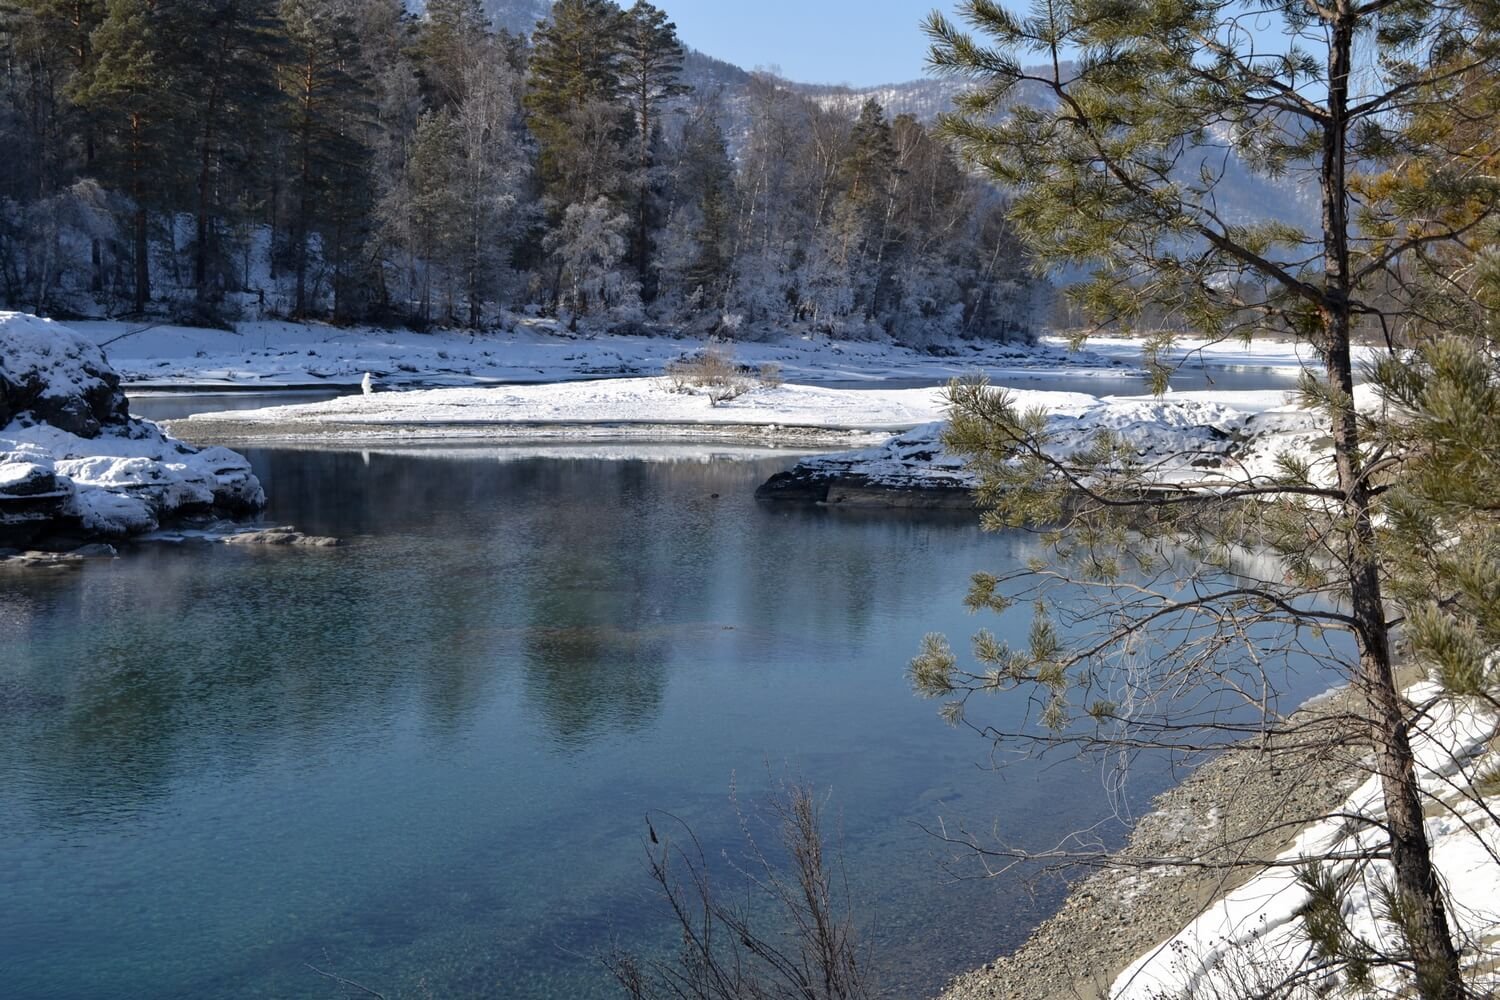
73 461
1182 436
49 374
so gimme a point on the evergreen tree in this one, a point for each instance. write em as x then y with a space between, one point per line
131 90
651 68
226 54
48 53
695 261
451 35
328 156
1117 172
575 103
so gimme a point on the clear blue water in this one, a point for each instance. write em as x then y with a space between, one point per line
422 761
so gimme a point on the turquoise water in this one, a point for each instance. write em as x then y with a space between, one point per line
422 761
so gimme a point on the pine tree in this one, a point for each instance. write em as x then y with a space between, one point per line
226 53
1116 171
48 54
328 156
575 103
451 35
651 68
712 179
130 89
866 210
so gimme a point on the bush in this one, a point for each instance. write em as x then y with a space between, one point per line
712 370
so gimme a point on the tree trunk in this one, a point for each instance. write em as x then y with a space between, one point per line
141 244
1433 955
301 227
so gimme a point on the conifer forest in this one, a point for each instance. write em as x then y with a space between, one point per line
210 161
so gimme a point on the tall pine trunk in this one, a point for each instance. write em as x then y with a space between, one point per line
1425 923
139 219
300 226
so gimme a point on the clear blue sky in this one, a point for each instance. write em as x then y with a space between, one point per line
859 42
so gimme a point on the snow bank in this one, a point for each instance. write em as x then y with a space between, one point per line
1196 352
1199 436
641 401
269 354
1254 931
72 459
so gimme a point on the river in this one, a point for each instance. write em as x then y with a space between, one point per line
423 760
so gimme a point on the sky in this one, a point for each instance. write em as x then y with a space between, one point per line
858 42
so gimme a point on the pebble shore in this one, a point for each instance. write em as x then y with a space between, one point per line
1245 804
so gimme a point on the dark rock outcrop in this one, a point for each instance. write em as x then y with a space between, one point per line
812 485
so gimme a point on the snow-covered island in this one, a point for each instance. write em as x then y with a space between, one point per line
75 467
898 457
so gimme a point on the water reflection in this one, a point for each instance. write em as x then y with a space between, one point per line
423 758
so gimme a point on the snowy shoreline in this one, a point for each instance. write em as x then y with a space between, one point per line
76 468
270 354
881 447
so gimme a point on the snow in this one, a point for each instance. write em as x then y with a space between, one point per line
619 401
1260 352
127 480
114 477
1256 928
40 348
274 354
1208 437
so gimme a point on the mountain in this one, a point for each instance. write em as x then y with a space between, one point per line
517 16
1242 195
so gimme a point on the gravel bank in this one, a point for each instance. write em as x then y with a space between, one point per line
1243 805
218 429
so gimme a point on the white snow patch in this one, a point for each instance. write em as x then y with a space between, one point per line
124 480
1255 929
271 353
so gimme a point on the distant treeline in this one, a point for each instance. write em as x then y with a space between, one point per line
209 160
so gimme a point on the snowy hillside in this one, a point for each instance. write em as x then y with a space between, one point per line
515 16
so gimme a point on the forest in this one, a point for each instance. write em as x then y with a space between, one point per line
350 161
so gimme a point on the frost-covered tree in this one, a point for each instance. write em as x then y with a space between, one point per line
460 201
589 249
650 71
695 260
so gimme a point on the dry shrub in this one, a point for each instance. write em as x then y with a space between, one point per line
712 370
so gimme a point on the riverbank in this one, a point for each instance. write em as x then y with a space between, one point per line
273 354
898 429
1194 903
1247 803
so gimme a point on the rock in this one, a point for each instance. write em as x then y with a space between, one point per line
32 559
911 470
813 485
96 550
27 479
283 536
51 375
74 465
